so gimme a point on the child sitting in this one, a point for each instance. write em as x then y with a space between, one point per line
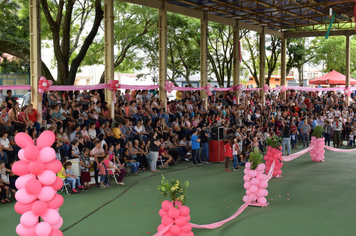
65 139
70 178
4 184
103 173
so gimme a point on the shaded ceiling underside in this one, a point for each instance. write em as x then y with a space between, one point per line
280 15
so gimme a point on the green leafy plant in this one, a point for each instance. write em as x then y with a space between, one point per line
275 142
255 158
318 131
173 189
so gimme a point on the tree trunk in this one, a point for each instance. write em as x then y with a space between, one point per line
300 78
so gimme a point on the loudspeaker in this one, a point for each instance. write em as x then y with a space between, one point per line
217 133
216 151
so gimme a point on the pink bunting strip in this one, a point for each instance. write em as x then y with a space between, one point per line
16 87
339 150
78 87
296 155
220 223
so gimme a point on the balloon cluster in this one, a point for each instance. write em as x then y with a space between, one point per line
169 86
177 217
237 88
44 84
207 90
347 91
255 184
37 185
114 85
317 153
266 88
274 154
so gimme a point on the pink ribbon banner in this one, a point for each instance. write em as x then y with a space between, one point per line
339 150
16 87
138 87
317 89
271 170
77 87
297 154
187 88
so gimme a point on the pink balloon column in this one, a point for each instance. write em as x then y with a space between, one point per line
178 217
255 185
273 154
37 185
317 153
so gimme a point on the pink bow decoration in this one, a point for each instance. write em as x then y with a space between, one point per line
283 89
44 84
237 87
266 88
347 91
169 86
114 85
207 90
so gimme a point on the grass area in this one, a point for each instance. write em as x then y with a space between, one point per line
320 202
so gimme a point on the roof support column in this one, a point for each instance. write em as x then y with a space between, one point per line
283 64
204 56
347 66
109 53
35 54
262 63
236 58
162 24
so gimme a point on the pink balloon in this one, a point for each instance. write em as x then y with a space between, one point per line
50 82
254 189
265 193
56 202
39 208
162 213
260 176
23 140
166 205
180 221
41 91
246 171
43 229
36 167
187 218
247 178
22 208
33 186
166 220
22 230
47 154
246 198
56 232
46 194
22 180
24 197
168 234
31 152
255 181
190 233
252 173
261 200
21 155
177 203
58 184
175 230
253 197
160 227
260 192
46 139
28 219
263 184
51 216
20 168
248 165
54 166
186 228
59 224
184 210
247 185
248 192
182 233
48 177
173 213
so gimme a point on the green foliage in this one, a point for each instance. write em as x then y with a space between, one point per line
255 158
13 66
274 142
318 131
172 189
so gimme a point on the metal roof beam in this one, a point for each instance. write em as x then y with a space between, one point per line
318 33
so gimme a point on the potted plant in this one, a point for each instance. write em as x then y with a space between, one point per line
274 154
317 144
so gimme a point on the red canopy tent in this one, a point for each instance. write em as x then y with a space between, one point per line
332 78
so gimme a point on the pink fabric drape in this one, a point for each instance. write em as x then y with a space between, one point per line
187 88
163 231
77 87
296 155
16 87
339 150
138 87
271 170
220 223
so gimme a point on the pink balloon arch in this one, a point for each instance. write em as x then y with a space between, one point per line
37 185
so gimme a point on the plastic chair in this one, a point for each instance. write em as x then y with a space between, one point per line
65 187
160 160
113 174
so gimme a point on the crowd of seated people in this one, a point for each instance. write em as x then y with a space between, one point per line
144 132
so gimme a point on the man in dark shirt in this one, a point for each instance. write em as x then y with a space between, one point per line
9 99
204 141
286 135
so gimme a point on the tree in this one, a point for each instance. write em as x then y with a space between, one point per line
13 65
299 52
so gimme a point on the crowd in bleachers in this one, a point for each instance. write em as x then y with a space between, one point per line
144 133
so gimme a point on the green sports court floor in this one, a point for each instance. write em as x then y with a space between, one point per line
321 202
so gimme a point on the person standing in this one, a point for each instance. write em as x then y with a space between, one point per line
228 154
195 148
327 132
154 148
286 135
2 98
305 130
337 132
204 136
